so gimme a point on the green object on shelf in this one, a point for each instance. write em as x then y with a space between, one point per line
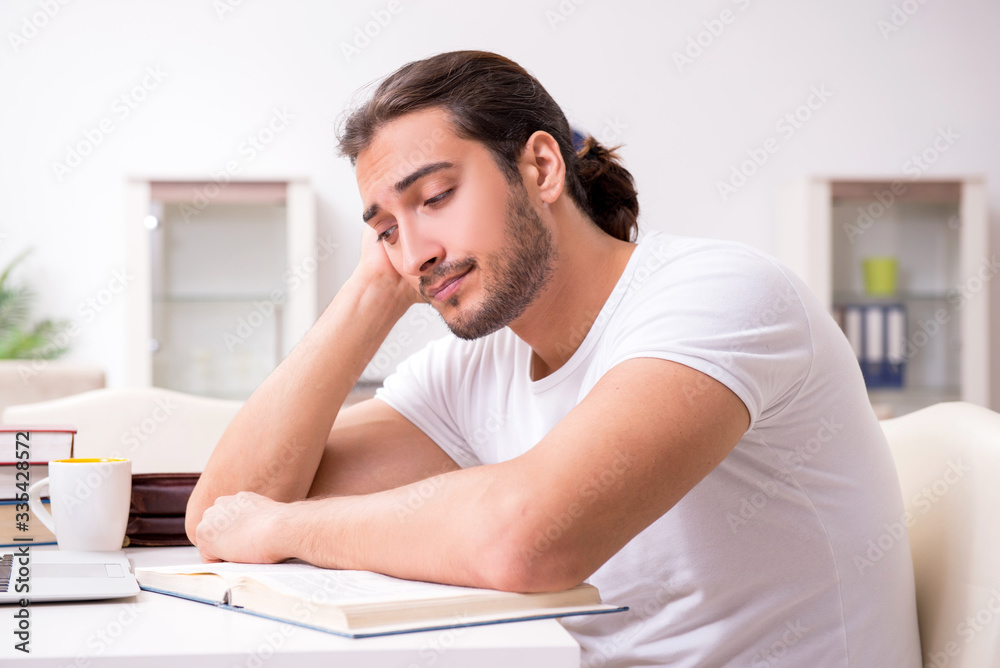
880 275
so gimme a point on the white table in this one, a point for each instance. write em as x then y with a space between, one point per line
154 631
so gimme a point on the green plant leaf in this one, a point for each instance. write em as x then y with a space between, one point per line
19 339
13 263
14 307
39 343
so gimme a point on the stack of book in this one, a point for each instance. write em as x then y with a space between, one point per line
25 453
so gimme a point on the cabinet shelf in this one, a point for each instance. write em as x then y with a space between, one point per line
937 233
845 297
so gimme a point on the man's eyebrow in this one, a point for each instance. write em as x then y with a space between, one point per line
406 182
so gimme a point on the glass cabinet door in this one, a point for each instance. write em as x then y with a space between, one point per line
921 238
217 297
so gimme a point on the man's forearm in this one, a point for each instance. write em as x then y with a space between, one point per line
274 444
448 528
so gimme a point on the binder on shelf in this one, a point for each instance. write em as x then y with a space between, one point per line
877 335
874 337
853 329
895 339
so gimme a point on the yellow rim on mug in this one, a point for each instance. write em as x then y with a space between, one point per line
87 460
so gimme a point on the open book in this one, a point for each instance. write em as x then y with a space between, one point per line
359 604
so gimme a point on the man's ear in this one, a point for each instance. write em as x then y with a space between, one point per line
543 166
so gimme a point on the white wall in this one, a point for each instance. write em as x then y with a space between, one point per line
610 64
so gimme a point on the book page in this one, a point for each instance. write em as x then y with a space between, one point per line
346 587
344 600
227 568
340 586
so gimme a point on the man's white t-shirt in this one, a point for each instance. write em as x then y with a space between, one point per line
793 551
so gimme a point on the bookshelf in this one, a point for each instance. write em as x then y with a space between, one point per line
226 282
937 234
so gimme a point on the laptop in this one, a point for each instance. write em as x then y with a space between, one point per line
64 575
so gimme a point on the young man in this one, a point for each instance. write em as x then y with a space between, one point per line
677 420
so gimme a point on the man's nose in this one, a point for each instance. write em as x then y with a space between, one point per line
421 253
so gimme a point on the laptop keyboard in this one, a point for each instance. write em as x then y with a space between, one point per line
6 566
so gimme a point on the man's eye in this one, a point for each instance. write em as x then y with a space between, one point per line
388 236
437 198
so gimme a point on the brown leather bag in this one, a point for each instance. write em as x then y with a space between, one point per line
159 501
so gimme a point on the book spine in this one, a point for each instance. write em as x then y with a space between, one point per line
43 445
11 476
18 532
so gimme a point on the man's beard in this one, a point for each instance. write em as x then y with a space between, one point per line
512 277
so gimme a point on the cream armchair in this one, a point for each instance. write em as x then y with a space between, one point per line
948 459
161 431
29 381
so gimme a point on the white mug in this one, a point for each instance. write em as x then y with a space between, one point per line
90 501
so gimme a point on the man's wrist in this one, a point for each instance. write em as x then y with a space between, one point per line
293 530
393 295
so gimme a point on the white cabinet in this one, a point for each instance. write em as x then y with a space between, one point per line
226 282
936 231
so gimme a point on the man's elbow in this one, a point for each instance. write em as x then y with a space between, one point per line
528 561
530 576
